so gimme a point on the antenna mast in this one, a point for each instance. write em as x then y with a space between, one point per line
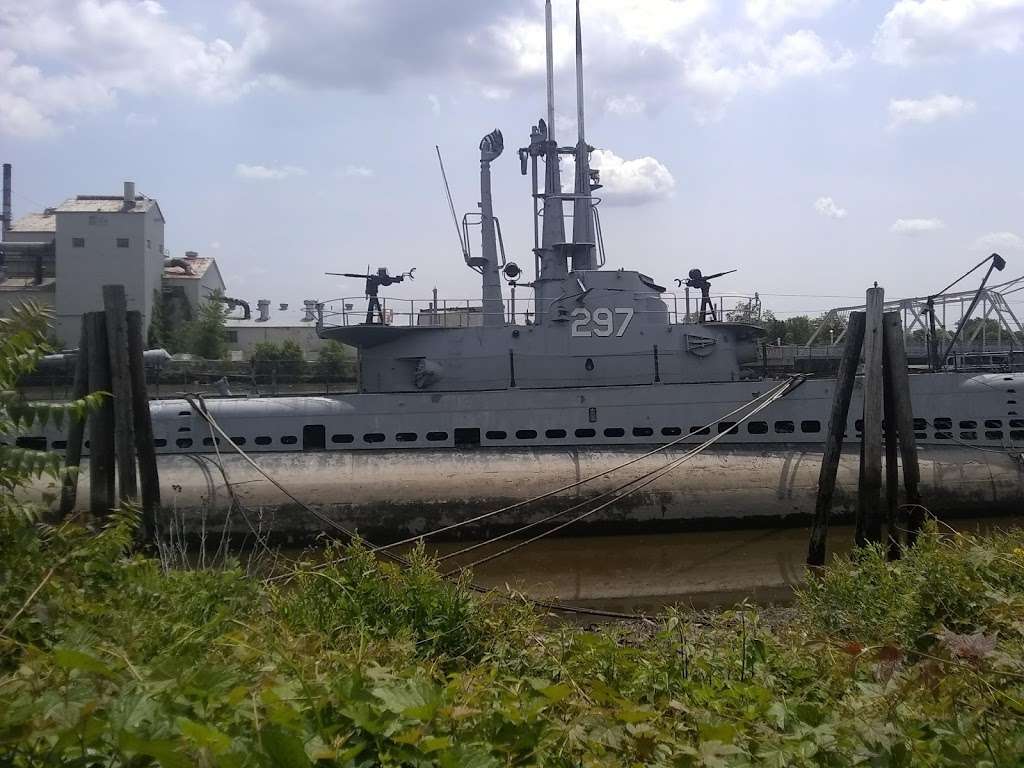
582 209
451 206
550 45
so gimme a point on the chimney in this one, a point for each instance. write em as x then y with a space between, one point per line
191 254
129 194
5 227
309 306
263 307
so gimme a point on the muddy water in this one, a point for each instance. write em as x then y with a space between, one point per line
647 572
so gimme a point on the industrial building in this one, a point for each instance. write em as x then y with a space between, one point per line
277 326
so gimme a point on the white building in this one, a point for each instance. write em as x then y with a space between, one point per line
194 277
283 324
102 240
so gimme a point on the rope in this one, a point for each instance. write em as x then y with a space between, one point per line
576 484
646 479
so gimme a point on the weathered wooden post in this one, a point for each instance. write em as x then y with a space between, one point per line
834 437
869 519
892 450
76 428
899 379
116 314
101 420
143 428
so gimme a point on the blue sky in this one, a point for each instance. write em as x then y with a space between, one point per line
816 145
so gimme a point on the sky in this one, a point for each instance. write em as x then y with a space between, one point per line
817 146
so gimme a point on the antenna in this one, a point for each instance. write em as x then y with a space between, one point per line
549 47
579 74
451 204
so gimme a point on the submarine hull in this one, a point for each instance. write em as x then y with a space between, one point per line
387 495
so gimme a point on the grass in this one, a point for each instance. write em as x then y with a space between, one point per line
108 658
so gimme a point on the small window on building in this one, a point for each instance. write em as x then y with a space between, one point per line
122 242
78 242
231 336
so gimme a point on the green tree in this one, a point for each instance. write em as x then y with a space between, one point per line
157 334
332 359
286 355
207 336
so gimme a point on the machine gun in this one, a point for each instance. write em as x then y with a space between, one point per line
374 281
695 279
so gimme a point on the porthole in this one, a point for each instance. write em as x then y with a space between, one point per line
238 440
436 437
787 427
526 434
967 424
184 413
919 424
184 442
589 364
263 440
209 441
993 424
369 437
555 434
994 435
614 432
642 431
757 427
406 437
59 445
968 435
289 440
335 439
700 430
943 435
159 443
727 426
810 427
943 423
671 431
587 432
859 424
920 435
1015 423
496 434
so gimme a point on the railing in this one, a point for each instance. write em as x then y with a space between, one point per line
466 313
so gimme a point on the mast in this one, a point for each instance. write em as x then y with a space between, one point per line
493 307
583 211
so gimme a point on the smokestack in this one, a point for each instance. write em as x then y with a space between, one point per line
263 307
309 307
129 194
5 227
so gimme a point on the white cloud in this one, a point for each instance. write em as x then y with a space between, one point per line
94 50
435 104
826 206
996 241
922 30
265 172
913 227
357 172
776 13
937 107
625 105
717 69
625 182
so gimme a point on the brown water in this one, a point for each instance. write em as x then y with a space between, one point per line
645 572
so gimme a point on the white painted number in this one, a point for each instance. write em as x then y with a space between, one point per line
603 320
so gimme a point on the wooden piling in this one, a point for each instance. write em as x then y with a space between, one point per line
115 307
834 437
76 429
904 417
892 448
143 427
869 518
101 420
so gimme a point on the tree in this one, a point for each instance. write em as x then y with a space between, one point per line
332 359
287 356
157 334
207 336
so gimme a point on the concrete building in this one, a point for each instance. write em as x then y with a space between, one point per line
283 324
192 279
104 239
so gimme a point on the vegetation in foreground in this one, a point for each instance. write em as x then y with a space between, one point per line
109 658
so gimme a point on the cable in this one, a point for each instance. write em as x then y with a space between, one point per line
656 474
577 483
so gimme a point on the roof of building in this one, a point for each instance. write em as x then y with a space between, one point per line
28 284
280 321
196 268
105 204
36 222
